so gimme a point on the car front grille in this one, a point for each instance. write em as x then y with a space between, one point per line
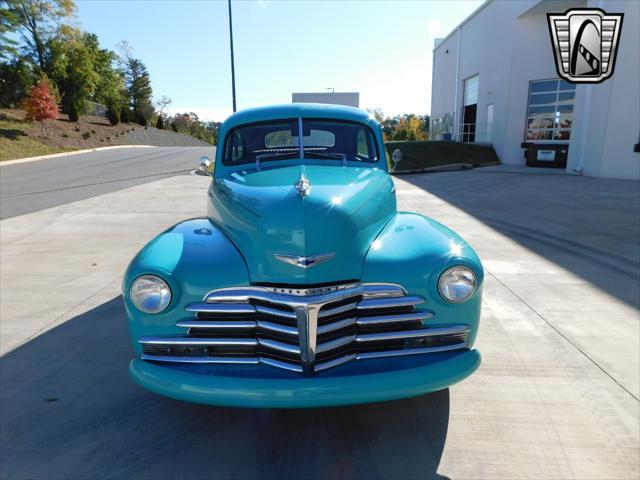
304 330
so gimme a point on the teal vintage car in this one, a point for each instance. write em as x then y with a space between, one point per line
303 286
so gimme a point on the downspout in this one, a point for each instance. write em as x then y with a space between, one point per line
584 130
455 107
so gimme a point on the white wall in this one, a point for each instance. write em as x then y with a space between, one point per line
351 99
607 115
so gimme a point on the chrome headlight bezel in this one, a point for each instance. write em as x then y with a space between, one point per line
155 286
457 274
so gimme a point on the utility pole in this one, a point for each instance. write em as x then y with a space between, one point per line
233 70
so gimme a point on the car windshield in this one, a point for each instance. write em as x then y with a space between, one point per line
279 140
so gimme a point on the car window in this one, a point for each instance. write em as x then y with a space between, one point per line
324 139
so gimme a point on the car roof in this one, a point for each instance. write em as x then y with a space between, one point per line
295 110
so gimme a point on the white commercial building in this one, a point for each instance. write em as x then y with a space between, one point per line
495 81
351 99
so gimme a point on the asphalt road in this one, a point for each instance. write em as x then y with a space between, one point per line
33 186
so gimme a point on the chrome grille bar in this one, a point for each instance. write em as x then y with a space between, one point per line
424 332
224 324
276 327
400 317
200 360
375 303
337 325
222 308
197 341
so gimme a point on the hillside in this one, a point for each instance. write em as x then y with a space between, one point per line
20 139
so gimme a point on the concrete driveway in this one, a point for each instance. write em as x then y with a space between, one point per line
555 397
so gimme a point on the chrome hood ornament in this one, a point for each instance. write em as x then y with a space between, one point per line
302 186
305 262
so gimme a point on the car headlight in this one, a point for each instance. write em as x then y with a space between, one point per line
457 284
150 294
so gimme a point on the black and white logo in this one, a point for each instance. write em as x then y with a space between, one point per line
585 43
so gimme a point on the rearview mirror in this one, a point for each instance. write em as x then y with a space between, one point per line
205 166
396 156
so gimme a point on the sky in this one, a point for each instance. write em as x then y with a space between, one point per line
382 49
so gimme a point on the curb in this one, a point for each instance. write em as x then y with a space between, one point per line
66 154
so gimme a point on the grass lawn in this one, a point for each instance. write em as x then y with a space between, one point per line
15 143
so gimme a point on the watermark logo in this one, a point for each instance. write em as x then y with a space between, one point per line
585 43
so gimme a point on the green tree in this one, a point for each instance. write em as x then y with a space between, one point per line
8 24
137 83
71 65
109 82
38 22
16 77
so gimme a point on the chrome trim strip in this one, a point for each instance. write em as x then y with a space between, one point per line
395 318
199 360
337 310
226 308
330 327
338 342
390 302
423 332
197 341
275 345
245 324
275 312
335 362
303 297
410 351
276 327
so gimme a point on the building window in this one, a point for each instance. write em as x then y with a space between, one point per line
550 110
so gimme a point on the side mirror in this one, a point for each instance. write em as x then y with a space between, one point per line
396 156
205 166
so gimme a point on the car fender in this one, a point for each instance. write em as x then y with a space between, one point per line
193 257
413 251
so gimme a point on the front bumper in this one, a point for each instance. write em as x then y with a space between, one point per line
302 392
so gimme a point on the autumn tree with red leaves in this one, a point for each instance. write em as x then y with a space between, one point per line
41 103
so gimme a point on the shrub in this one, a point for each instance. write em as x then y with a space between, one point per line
418 155
93 131
113 114
65 135
139 118
125 115
74 112
86 135
160 123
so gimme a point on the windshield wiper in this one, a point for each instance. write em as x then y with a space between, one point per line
334 156
274 156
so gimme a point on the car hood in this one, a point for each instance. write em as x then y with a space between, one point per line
264 216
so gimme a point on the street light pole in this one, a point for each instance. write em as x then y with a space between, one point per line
233 70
